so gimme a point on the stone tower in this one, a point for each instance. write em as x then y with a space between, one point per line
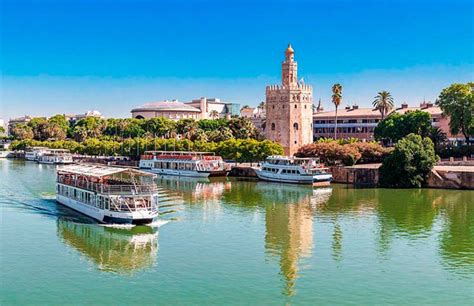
289 108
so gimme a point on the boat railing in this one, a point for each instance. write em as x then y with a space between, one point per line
109 189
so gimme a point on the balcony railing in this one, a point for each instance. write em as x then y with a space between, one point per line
109 189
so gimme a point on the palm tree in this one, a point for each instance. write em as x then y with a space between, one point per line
383 102
261 105
437 136
214 114
337 100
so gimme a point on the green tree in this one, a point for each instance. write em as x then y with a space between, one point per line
409 164
457 102
187 127
242 128
39 127
22 132
383 102
89 127
396 126
437 136
336 100
2 130
160 126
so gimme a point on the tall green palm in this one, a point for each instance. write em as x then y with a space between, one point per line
337 100
383 102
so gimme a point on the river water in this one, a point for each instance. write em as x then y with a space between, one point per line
238 242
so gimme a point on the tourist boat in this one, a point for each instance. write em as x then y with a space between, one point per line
286 169
55 156
33 153
4 154
108 194
193 164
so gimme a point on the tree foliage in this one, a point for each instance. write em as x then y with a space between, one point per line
383 102
457 102
241 150
409 164
333 152
396 126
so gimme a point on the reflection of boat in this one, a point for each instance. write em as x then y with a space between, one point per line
286 169
55 156
108 194
121 250
195 164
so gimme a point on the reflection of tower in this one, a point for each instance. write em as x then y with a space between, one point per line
289 228
289 114
118 250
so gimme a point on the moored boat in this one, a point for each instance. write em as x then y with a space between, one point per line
55 156
108 194
33 153
4 154
193 164
296 170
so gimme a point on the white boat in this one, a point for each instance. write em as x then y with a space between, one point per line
33 153
286 169
193 164
108 194
4 154
55 156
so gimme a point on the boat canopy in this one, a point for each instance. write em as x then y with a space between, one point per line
281 157
100 170
179 153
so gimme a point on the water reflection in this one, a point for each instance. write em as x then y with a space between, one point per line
120 250
289 225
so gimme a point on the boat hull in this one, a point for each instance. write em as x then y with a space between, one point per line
105 216
317 180
185 172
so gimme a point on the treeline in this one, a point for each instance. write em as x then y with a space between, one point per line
59 128
240 150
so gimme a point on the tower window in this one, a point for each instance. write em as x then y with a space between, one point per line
273 126
305 106
273 106
295 126
296 106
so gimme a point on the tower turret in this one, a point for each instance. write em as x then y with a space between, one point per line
289 68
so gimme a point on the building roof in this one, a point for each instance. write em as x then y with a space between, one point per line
99 170
358 112
164 106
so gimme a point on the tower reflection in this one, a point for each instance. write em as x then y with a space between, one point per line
119 250
289 225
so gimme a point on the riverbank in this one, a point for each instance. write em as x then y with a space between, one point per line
367 175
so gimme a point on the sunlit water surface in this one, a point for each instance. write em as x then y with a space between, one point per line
238 242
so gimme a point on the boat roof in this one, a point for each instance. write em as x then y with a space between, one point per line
281 157
58 150
100 170
180 152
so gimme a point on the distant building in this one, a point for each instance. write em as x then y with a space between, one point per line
203 108
92 113
15 121
256 114
289 108
360 123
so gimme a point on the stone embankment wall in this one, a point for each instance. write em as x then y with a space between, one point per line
446 177
242 171
451 177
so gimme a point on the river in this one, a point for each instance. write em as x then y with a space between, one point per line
238 242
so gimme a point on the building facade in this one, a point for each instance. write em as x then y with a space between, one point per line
255 114
289 108
203 108
355 122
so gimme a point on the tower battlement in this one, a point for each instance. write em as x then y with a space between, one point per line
297 86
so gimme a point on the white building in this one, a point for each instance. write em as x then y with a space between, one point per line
203 108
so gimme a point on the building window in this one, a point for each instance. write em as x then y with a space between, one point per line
273 126
305 106
273 106
295 126
296 106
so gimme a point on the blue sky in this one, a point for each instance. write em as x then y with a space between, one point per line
71 56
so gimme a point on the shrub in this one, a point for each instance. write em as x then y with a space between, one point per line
333 152
409 164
